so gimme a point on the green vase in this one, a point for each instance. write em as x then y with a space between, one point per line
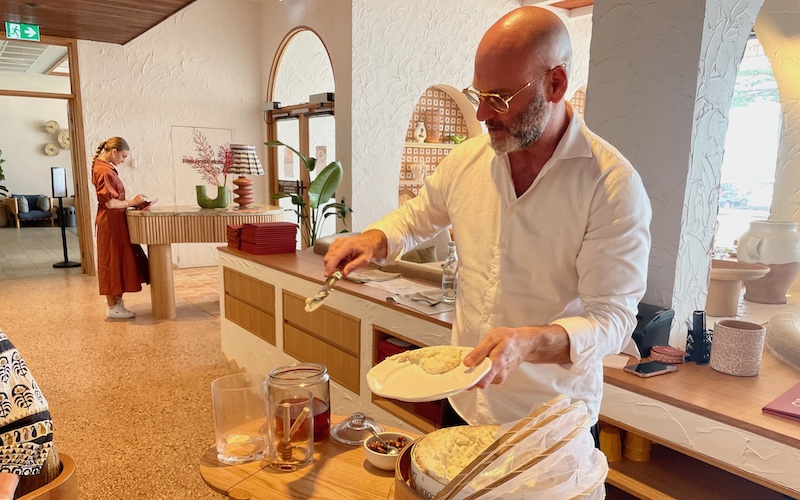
221 201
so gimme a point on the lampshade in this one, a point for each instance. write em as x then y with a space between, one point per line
245 160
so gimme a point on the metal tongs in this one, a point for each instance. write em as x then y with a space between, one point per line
313 303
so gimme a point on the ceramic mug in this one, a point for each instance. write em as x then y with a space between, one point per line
736 347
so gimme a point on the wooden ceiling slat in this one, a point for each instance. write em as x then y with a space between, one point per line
99 20
572 4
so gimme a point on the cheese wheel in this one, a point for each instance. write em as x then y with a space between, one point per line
442 454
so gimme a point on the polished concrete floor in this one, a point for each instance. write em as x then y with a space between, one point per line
130 399
32 251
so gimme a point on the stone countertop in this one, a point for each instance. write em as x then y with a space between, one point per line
195 211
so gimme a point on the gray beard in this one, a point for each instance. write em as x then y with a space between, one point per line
525 133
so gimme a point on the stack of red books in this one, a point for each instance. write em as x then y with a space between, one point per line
262 238
234 236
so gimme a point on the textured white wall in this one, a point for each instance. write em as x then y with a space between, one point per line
202 67
22 139
679 61
580 33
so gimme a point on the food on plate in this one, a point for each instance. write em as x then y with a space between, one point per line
442 454
378 447
433 360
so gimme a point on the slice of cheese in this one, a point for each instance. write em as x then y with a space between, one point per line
433 360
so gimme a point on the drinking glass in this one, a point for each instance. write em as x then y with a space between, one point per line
240 417
291 428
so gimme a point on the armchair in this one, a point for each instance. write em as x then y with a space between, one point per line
30 207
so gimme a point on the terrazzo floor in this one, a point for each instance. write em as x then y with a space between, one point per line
130 400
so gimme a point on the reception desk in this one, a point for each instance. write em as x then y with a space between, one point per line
160 226
711 439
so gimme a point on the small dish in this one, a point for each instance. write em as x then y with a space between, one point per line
382 460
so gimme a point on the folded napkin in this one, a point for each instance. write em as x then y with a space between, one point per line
428 302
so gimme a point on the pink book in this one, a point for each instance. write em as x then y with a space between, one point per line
786 405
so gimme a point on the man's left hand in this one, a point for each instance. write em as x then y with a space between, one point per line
509 347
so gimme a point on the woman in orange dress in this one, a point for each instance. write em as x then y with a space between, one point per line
117 271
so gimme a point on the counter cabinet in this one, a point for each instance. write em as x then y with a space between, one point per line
712 441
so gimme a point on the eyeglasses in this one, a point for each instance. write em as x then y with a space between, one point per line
496 101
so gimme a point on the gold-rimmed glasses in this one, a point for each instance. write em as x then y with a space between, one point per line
496 101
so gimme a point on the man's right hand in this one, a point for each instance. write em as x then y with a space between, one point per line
348 254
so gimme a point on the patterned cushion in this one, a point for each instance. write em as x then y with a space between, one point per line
43 203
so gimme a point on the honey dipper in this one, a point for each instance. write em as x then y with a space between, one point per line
285 444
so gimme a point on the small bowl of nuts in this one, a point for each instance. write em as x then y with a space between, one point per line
378 455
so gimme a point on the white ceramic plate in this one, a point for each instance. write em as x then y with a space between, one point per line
406 381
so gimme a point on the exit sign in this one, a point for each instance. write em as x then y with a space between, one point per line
19 31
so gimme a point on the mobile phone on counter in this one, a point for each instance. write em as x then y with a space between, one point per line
650 369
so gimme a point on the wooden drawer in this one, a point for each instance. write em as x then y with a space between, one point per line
249 290
250 303
329 325
343 366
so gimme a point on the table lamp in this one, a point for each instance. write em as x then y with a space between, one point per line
245 162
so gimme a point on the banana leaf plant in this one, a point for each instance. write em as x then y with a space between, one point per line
312 214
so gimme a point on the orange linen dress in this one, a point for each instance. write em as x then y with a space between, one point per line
117 271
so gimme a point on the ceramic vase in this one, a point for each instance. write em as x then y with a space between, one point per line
777 245
419 132
221 201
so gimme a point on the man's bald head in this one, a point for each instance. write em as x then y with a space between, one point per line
529 35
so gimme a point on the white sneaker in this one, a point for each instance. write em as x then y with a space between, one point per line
119 312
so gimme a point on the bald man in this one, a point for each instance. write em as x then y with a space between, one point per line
551 225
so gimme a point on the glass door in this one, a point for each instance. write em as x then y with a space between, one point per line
322 146
290 175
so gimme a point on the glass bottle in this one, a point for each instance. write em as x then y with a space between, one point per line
450 274
312 377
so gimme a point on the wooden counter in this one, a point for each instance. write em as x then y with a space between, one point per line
714 418
308 266
698 412
339 471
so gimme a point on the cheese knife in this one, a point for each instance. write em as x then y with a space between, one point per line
313 303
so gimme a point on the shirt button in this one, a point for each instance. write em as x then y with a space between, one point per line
503 245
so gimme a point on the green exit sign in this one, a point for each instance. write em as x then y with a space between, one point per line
19 31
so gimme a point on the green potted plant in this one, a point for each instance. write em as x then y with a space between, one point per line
3 194
322 189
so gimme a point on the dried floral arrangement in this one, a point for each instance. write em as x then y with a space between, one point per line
208 164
